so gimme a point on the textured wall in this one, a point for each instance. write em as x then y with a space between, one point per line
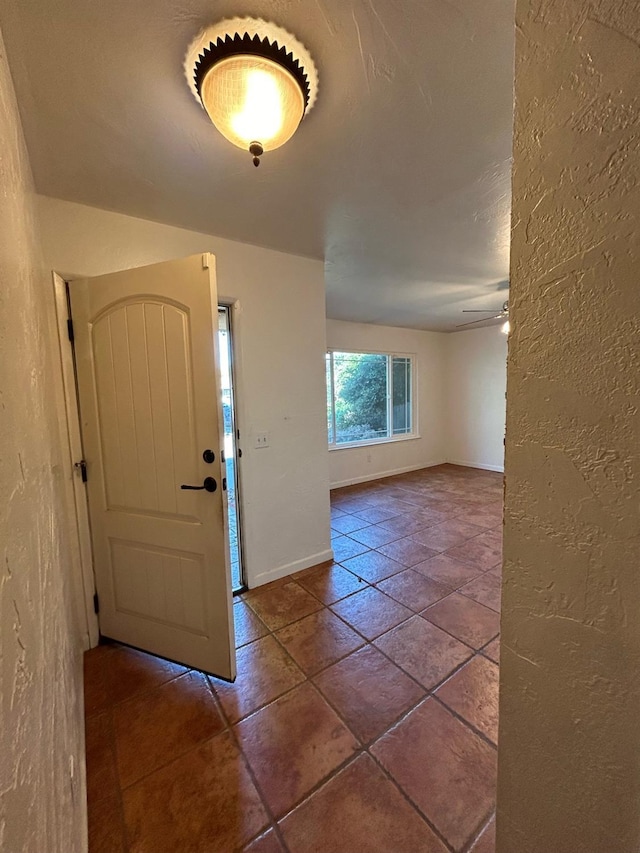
569 762
476 381
357 464
42 808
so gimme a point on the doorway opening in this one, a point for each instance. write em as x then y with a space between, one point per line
232 453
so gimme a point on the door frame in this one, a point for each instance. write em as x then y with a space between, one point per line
232 306
83 581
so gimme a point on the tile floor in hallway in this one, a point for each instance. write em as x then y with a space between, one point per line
364 715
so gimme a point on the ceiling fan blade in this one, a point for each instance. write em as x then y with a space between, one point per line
477 310
481 320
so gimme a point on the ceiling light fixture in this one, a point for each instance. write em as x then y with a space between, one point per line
255 80
505 328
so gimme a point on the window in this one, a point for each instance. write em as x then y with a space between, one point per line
369 397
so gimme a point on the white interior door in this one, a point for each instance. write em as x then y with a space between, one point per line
146 356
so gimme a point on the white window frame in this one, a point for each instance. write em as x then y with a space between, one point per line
408 436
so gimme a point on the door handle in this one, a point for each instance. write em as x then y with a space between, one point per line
209 485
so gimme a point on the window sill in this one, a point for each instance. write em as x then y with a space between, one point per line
374 442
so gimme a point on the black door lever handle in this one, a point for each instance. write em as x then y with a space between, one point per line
209 485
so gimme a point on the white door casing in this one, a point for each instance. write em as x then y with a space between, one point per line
146 357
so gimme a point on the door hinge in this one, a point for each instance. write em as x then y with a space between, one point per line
96 603
82 467
224 484
70 329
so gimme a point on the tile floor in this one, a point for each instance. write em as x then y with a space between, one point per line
364 716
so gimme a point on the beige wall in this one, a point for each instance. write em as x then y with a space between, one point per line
280 347
569 760
42 787
476 382
357 464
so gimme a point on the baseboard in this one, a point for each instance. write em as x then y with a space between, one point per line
290 568
482 467
379 475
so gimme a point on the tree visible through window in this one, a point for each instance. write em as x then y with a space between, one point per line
368 397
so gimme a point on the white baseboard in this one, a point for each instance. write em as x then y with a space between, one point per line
481 466
290 568
379 475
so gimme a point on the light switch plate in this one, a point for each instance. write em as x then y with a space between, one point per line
262 440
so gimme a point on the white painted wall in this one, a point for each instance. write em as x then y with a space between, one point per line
280 339
42 806
357 464
476 384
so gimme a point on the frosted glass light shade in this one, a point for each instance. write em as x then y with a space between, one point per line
253 99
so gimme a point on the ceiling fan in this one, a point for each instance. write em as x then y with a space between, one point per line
503 314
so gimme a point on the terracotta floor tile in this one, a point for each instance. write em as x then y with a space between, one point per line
486 841
492 650
493 536
268 842
485 589
405 525
102 775
446 535
282 604
106 826
469 621
483 518
368 691
344 548
248 626
473 694
477 551
376 514
372 566
358 811
349 504
318 640
374 536
203 801
154 728
413 589
407 551
293 744
443 767
265 671
371 612
395 504
348 523
448 571
428 654
131 672
330 583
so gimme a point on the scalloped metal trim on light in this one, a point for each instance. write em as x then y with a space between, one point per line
246 38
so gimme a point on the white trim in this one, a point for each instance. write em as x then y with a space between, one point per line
380 475
291 568
480 465
79 532
374 441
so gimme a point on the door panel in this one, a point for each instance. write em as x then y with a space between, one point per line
150 405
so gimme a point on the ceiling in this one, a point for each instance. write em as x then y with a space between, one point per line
399 178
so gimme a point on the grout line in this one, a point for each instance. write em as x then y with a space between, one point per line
413 805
